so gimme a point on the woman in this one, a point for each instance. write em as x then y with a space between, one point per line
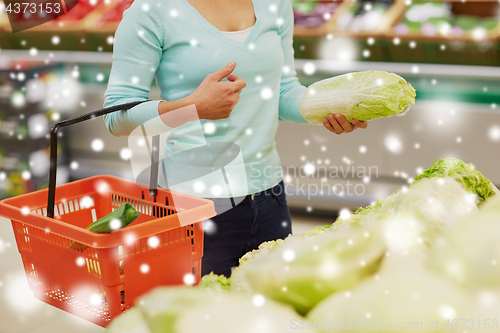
233 61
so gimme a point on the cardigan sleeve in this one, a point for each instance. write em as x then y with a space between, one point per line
291 90
138 48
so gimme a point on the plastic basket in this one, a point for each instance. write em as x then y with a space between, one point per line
99 276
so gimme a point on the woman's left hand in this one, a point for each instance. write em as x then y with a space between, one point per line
338 124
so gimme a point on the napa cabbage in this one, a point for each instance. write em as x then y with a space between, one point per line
472 180
401 292
361 95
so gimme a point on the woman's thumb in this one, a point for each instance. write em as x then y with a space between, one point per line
228 69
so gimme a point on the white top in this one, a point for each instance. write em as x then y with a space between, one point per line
239 35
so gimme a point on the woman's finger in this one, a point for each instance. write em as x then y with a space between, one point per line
335 124
360 124
347 126
329 126
238 82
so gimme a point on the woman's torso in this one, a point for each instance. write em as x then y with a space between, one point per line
194 48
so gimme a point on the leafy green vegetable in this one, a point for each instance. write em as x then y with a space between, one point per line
492 205
304 7
490 24
302 273
437 203
471 179
363 216
117 219
194 310
402 292
469 251
362 95
131 321
216 283
414 216
122 216
467 22
231 314
239 281
316 230
163 306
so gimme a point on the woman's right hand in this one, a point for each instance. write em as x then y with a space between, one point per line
215 99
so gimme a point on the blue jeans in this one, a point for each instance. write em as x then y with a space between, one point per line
243 228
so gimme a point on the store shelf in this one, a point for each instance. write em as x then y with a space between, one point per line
403 68
76 57
56 56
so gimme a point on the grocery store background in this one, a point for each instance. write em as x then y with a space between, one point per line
449 51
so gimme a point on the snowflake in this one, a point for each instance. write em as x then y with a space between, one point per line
209 128
153 242
494 133
288 255
393 144
309 68
144 268
266 93
209 227
97 145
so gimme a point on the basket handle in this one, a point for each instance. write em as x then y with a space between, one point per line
91 115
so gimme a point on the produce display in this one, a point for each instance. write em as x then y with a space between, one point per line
186 310
82 9
363 16
426 255
363 96
4 19
313 13
402 292
437 18
107 13
471 179
480 231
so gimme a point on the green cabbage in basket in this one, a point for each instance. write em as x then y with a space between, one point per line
117 219
362 95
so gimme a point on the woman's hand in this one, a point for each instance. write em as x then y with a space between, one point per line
215 99
338 124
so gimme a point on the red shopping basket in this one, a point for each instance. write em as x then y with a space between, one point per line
98 276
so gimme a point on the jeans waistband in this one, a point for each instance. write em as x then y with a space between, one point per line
256 197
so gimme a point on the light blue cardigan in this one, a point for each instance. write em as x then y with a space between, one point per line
171 41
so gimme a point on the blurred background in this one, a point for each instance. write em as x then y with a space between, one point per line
449 51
